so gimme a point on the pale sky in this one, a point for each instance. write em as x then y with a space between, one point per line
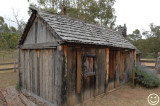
137 14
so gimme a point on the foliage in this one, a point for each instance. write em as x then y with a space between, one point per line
18 87
148 46
95 11
9 36
146 78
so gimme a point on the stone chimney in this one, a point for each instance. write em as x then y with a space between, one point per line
122 30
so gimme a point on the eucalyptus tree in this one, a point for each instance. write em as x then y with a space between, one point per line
94 11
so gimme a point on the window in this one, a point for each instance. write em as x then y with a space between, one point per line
89 67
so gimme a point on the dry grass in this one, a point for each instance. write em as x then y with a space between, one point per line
125 96
148 64
9 55
8 78
147 59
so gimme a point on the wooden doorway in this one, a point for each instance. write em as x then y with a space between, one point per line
88 77
112 69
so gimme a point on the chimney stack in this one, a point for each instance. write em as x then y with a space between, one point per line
123 30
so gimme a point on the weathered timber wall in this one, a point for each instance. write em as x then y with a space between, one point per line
40 73
59 75
112 68
39 33
121 63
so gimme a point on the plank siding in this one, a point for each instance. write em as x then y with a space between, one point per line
72 85
38 72
39 34
44 71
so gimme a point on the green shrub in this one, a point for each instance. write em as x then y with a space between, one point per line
146 78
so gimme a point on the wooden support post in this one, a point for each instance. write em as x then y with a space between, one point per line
18 64
107 67
135 57
79 71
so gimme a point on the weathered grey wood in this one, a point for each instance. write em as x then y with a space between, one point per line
25 64
39 46
36 31
27 69
8 69
18 73
58 77
39 33
8 63
50 78
41 73
22 62
44 35
44 73
53 74
30 70
38 72
35 71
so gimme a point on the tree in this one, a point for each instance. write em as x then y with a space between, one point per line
136 35
149 46
9 36
98 12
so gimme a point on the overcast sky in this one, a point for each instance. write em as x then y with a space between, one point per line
137 14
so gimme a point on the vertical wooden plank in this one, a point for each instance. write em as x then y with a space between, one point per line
24 71
28 71
32 72
99 71
35 71
53 74
47 73
41 73
49 59
71 81
118 69
36 29
107 64
102 71
38 72
44 72
79 70
134 57
19 66
58 73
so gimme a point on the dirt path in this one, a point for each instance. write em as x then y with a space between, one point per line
125 96
8 78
